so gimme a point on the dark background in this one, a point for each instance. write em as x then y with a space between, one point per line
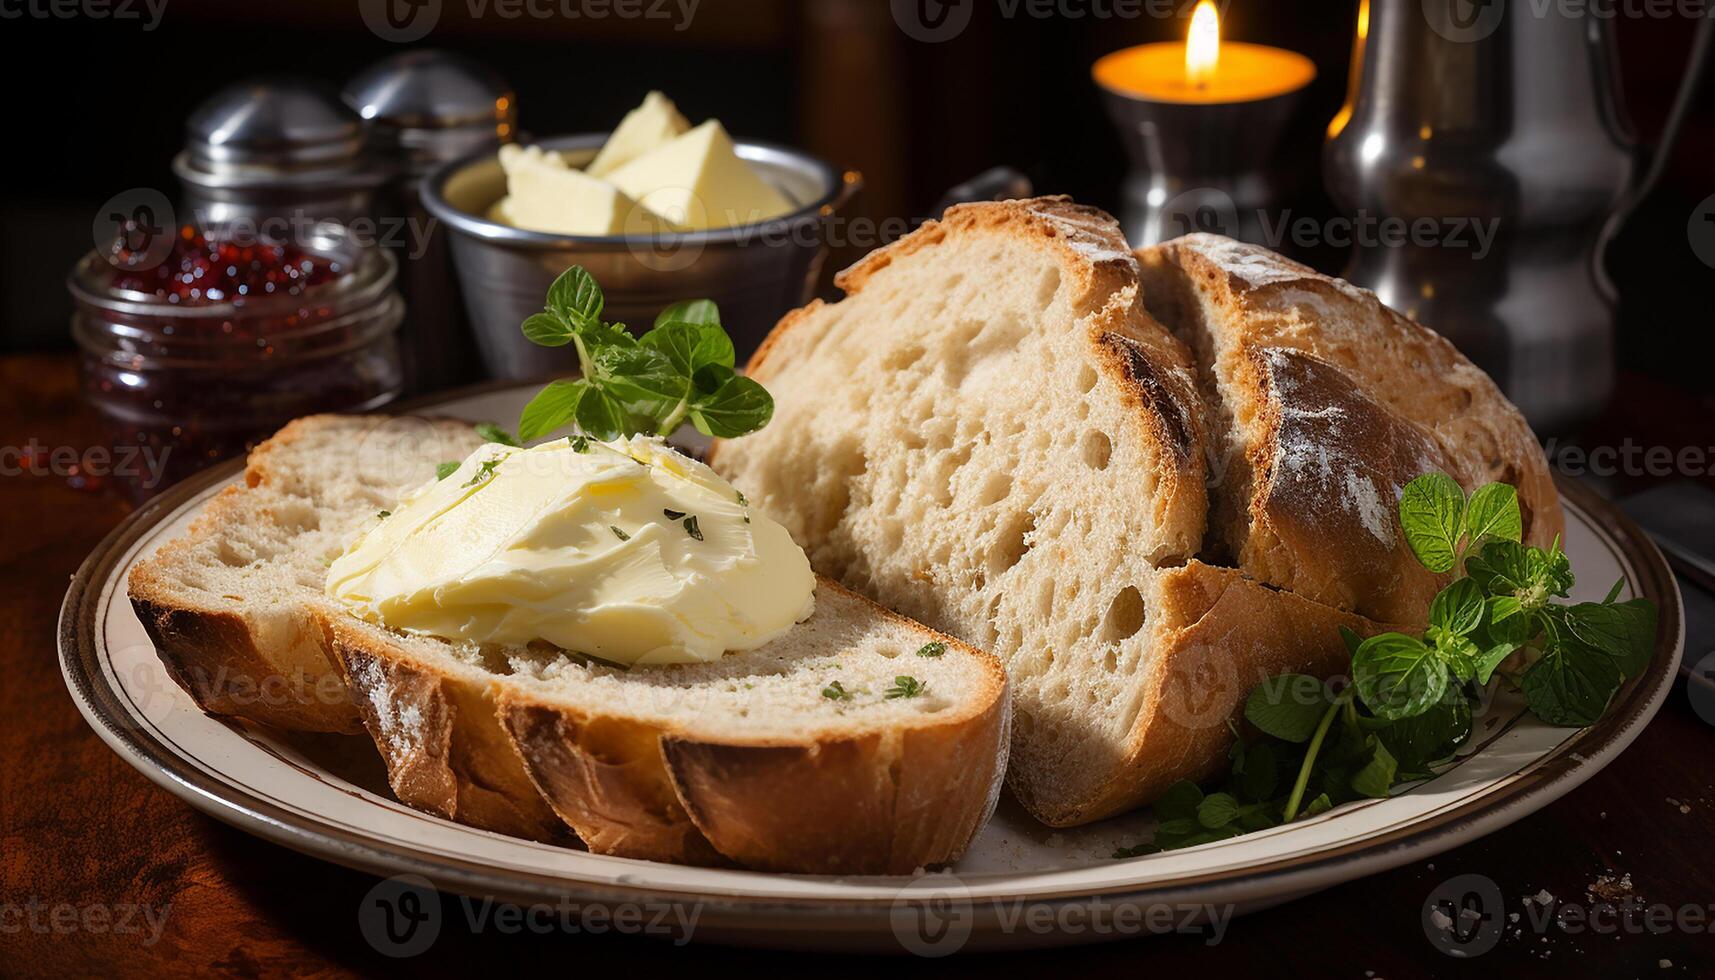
97 107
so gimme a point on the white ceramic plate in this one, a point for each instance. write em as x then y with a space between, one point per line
327 795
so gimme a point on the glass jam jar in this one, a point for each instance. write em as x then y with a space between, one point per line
201 354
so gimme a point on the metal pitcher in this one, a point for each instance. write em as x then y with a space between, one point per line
1483 147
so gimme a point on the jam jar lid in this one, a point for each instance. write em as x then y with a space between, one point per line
432 106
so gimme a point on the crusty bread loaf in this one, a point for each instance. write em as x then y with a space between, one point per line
1325 403
992 434
744 760
228 603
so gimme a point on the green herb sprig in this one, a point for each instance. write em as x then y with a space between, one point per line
494 433
1410 702
681 370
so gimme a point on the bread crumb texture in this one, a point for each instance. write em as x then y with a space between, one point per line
1013 431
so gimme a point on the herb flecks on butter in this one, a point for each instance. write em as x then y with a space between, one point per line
483 472
566 547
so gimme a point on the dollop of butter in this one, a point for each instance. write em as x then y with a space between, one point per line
627 551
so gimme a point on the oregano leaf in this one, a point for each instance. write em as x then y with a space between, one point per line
1493 512
1432 512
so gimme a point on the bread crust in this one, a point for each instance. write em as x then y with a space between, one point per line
889 802
1300 367
1218 634
604 777
1092 252
217 655
882 802
1085 237
1323 441
439 736
212 654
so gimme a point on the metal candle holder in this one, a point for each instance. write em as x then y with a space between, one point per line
1197 166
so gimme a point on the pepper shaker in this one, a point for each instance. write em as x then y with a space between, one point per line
423 108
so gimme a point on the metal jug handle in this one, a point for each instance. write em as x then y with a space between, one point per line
1655 158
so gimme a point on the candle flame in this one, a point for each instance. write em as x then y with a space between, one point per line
1203 44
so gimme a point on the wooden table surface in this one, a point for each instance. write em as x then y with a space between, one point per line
103 873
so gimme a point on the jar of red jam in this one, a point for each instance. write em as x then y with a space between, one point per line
195 356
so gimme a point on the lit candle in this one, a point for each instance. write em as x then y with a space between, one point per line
1203 69
1200 120
1203 45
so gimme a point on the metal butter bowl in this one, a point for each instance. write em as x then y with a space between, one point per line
755 272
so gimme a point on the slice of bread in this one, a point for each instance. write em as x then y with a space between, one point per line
992 434
1325 403
229 604
757 759
747 760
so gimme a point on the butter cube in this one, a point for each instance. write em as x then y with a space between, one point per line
514 157
546 195
644 128
697 181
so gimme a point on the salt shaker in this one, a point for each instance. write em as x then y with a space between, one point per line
274 156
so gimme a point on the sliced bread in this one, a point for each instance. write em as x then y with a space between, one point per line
758 759
993 434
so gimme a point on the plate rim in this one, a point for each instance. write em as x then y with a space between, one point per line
1575 760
